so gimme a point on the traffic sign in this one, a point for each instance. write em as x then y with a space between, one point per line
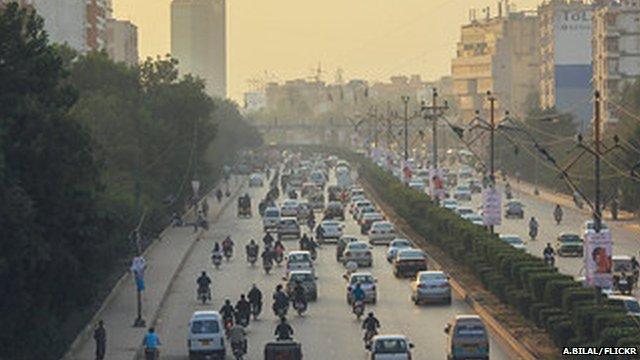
492 207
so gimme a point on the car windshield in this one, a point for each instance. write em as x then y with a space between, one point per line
363 279
391 346
570 238
470 330
205 327
294 258
330 224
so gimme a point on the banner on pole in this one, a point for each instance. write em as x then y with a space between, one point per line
597 258
492 207
436 184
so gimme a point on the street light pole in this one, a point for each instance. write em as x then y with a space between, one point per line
492 177
597 211
405 99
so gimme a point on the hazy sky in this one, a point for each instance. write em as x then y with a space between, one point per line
370 39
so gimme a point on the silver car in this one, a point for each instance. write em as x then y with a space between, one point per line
431 286
395 246
367 283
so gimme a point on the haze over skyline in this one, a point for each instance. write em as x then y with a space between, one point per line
368 39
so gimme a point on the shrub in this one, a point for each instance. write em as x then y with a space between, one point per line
571 295
538 281
559 328
534 311
553 290
547 313
610 336
612 318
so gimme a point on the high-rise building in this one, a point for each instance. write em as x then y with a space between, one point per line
199 41
497 54
616 54
81 24
122 41
565 58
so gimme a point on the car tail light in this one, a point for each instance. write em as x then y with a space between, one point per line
347 254
444 285
422 286
373 287
374 231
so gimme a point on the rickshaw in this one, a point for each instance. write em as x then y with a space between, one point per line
244 206
283 350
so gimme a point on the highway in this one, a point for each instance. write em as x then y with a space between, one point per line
328 330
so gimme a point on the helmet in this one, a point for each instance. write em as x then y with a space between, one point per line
228 302
241 296
204 273
371 314
279 287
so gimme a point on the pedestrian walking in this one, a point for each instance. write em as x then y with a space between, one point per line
100 336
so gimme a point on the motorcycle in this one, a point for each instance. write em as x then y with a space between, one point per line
256 308
558 217
549 260
368 336
151 354
243 320
533 233
280 311
228 324
252 258
314 253
204 295
358 309
217 260
267 265
623 285
279 256
300 307
228 252
239 350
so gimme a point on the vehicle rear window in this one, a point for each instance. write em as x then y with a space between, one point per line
299 258
431 277
391 346
301 277
411 255
358 246
363 279
205 327
272 213
470 330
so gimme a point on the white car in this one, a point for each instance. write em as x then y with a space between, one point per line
474 219
290 208
396 245
363 210
206 335
462 193
450 204
358 252
514 240
271 218
360 204
431 285
256 180
331 230
288 227
390 347
630 303
299 260
417 184
590 225
382 232
367 283
356 191
464 211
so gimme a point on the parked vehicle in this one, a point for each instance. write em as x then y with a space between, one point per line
630 303
431 286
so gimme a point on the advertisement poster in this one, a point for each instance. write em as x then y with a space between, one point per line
437 189
407 173
597 258
492 207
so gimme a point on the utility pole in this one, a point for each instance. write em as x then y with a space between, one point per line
434 112
492 99
406 99
597 210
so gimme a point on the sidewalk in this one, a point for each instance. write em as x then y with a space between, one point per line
164 257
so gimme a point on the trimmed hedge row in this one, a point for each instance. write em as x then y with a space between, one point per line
571 314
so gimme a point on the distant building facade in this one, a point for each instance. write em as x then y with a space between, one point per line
254 101
122 41
81 24
616 53
496 54
565 58
198 41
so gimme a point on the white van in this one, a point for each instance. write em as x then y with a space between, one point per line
206 335
271 218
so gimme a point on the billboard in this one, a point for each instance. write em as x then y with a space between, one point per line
597 258
491 207
436 184
572 29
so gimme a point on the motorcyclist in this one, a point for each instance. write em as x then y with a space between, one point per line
299 294
548 253
238 338
507 190
370 325
204 283
217 251
252 249
227 311
255 298
151 342
267 239
557 214
533 228
278 248
283 330
304 242
243 309
358 294
280 299
311 220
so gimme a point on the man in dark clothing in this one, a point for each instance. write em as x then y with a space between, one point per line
100 336
255 297
227 310
243 308
283 330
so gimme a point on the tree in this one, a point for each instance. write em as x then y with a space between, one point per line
49 251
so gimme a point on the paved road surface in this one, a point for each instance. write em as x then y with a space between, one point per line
328 330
